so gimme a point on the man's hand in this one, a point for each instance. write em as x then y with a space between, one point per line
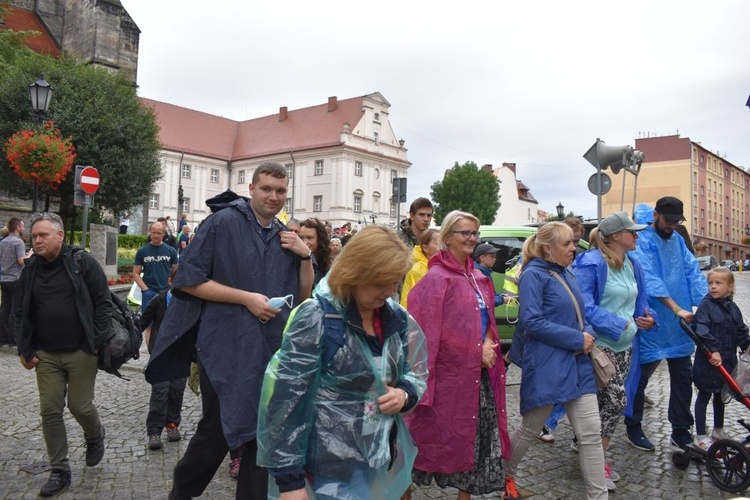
291 241
29 364
257 303
686 315
392 401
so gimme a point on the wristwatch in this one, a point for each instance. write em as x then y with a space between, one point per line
406 397
309 255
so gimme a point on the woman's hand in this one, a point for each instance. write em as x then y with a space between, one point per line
299 494
489 356
588 342
392 401
645 322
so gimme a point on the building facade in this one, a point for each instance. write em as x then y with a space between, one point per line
715 193
517 205
340 156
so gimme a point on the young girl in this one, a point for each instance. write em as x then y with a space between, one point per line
718 322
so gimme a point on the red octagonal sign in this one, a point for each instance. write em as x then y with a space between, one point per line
89 180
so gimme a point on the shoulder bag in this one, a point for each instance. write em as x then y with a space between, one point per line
604 367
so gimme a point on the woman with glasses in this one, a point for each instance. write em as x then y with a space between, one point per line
555 347
315 235
614 291
460 425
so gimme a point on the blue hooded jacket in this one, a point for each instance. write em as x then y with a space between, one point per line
552 371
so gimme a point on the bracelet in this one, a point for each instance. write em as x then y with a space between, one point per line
676 310
406 397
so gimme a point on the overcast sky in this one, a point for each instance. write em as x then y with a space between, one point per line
530 82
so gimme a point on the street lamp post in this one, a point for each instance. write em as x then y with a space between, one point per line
373 216
560 211
40 93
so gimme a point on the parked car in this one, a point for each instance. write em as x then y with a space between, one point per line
706 262
509 240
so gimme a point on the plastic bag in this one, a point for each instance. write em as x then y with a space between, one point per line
741 375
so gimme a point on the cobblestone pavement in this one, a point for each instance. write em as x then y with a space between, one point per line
130 471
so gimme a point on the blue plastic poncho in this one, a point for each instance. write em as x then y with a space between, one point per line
324 419
671 271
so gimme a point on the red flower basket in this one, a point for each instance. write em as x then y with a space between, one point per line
40 156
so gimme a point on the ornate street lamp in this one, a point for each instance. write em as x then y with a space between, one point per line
560 211
40 93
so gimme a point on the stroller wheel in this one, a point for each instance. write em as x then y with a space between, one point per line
728 464
681 460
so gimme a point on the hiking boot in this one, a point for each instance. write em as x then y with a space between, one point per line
58 480
638 439
718 433
154 442
234 467
510 488
546 435
173 432
680 440
95 449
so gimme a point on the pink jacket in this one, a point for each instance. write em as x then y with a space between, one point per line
444 424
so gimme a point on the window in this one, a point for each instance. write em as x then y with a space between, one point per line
377 117
318 167
701 190
154 201
289 170
358 204
241 177
215 175
703 214
358 168
185 205
317 203
185 171
375 134
288 205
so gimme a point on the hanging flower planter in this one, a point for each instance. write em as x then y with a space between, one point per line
40 156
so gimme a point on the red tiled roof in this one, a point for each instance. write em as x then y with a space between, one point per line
524 193
18 19
307 128
191 131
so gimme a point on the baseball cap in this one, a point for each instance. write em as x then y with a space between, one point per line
484 248
618 221
670 208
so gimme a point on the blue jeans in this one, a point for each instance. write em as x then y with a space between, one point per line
146 298
554 417
680 393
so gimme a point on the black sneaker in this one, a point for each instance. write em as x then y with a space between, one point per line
58 480
95 449
638 439
680 440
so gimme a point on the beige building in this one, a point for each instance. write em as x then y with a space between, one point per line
715 192
341 157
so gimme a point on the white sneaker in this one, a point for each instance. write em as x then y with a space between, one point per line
611 486
702 441
718 433
546 435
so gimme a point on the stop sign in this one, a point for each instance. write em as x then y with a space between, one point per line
89 180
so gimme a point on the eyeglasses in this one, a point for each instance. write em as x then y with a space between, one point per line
467 234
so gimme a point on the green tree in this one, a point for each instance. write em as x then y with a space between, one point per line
111 129
469 188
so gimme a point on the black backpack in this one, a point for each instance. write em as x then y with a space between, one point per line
125 337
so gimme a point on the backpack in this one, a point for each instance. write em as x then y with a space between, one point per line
125 337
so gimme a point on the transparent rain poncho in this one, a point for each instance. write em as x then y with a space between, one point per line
325 419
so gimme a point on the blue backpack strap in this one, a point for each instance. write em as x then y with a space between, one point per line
333 330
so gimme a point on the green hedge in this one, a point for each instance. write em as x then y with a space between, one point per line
135 241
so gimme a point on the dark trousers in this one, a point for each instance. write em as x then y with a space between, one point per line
701 404
206 452
680 393
7 333
165 405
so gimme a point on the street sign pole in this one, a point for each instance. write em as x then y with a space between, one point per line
86 205
86 184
